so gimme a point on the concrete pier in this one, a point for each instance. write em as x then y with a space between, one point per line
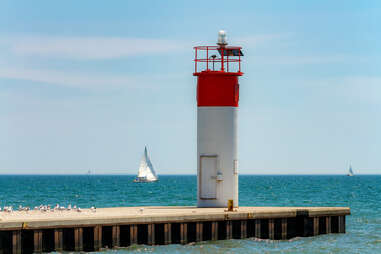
36 231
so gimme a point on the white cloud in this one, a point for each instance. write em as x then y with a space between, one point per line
35 50
66 79
309 59
264 46
91 47
109 47
85 80
363 88
255 40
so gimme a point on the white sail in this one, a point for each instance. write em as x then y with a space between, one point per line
350 173
146 171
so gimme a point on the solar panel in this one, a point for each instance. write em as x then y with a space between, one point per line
231 52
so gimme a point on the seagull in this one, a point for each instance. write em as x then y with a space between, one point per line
93 209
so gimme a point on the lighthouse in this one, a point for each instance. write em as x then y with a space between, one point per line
217 69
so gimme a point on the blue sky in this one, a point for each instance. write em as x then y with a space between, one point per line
84 85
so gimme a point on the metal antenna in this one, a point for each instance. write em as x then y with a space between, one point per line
213 57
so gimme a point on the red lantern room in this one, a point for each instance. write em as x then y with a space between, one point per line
218 69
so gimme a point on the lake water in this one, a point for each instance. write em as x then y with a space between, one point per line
362 193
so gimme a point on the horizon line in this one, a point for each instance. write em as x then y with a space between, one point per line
116 174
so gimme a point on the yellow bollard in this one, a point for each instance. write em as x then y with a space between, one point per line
230 205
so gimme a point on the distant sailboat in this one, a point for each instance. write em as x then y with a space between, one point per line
350 172
146 172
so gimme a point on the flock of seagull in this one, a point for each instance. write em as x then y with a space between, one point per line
46 208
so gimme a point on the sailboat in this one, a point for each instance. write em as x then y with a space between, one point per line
350 172
146 171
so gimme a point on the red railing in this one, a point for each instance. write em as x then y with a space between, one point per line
222 59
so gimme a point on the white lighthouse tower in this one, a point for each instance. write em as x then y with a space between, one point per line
217 69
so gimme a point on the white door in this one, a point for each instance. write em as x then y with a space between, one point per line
208 172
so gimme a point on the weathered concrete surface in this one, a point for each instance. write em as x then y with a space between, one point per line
136 215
